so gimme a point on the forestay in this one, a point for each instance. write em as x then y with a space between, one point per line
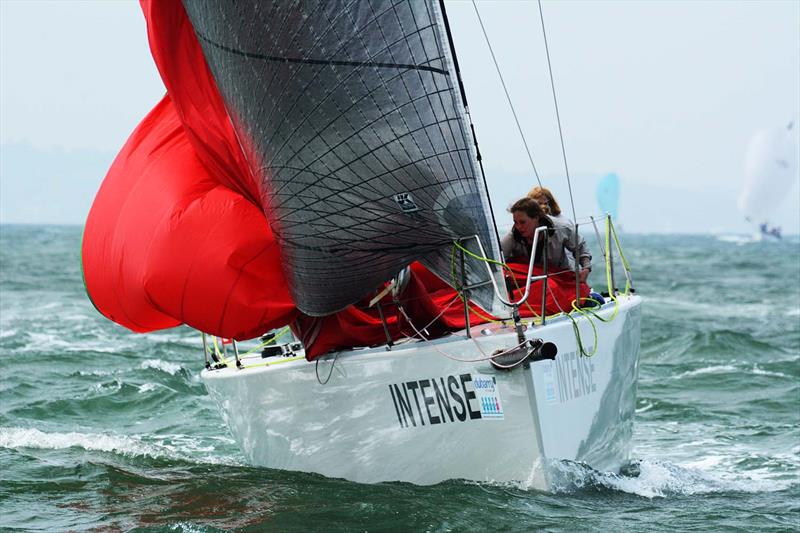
351 120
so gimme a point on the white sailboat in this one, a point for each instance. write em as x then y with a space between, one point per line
357 144
770 173
426 412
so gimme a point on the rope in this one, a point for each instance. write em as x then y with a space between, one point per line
424 339
508 98
558 116
316 369
276 362
458 246
622 258
218 353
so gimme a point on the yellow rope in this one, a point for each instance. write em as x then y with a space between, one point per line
456 245
621 256
589 313
277 362
218 352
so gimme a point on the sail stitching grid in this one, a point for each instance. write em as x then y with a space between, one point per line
440 53
464 137
354 104
360 222
343 43
373 178
337 189
378 176
345 166
399 40
358 158
385 114
326 165
320 36
363 141
285 59
427 92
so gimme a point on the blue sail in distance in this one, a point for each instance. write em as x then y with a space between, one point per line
608 195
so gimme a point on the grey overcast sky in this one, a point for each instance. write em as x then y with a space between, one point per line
666 94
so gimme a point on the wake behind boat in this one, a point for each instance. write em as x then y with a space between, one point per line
314 164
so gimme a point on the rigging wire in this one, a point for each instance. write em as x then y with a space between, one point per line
508 97
468 115
558 116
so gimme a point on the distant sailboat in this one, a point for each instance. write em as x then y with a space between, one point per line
770 172
608 195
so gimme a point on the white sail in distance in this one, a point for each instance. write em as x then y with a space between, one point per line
771 169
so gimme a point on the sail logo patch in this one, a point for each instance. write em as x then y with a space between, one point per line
446 400
406 202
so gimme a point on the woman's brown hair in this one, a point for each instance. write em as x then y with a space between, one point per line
529 206
542 192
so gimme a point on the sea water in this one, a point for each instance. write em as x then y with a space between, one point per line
103 429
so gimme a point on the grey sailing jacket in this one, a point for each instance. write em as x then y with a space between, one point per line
560 247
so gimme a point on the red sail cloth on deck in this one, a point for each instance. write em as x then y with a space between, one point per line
429 303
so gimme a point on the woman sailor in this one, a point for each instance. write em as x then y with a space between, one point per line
561 243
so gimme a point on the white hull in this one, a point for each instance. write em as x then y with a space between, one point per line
381 418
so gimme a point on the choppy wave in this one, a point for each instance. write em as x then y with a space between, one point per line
717 420
164 366
174 447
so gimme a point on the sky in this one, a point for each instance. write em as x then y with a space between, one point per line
665 94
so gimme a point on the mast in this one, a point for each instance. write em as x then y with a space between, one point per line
469 117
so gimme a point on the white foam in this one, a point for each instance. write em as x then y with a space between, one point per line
14 437
164 366
96 373
36 341
185 527
759 372
738 239
147 387
663 479
714 369
180 447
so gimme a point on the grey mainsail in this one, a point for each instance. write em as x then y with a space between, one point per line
350 116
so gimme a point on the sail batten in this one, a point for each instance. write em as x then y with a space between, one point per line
351 121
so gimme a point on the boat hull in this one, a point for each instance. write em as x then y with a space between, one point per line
418 414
